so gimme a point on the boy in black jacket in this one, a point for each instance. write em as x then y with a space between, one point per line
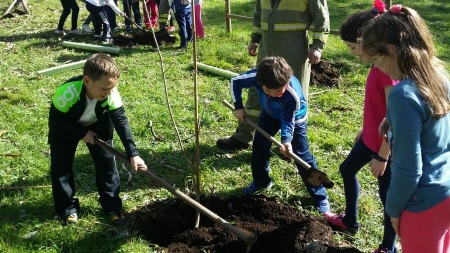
84 107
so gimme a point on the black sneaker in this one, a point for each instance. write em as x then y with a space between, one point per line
118 218
231 144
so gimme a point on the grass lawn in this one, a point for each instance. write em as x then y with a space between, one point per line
28 44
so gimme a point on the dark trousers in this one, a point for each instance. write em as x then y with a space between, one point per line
359 156
67 6
134 5
111 15
106 176
184 21
261 154
100 20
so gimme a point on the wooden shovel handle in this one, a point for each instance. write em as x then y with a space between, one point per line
269 137
246 236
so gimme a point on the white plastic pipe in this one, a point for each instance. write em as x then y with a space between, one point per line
62 68
112 50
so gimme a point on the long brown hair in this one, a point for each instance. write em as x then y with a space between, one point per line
403 33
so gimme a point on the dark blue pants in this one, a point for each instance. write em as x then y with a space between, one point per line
134 5
111 15
359 156
100 20
62 153
261 154
67 6
184 21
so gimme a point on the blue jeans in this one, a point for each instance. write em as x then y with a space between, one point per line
261 155
184 21
359 156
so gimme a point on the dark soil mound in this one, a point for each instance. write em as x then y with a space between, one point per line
325 74
144 37
278 227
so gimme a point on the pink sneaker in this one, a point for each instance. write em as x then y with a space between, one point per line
336 220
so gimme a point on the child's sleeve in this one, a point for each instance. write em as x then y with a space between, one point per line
120 123
113 6
245 80
287 124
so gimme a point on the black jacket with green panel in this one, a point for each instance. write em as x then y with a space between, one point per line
68 105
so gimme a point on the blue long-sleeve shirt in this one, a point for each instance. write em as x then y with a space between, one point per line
420 149
290 108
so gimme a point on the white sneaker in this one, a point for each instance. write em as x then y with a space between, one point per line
60 32
76 31
107 41
86 28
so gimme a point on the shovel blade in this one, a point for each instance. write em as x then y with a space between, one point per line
318 178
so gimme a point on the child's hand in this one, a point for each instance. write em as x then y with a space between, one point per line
137 162
89 137
377 168
122 14
240 115
287 147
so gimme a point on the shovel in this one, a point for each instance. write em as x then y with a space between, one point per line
313 176
245 236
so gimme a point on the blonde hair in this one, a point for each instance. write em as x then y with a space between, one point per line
403 33
98 65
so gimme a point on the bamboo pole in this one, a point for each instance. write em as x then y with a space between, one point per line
112 50
62 68
215 70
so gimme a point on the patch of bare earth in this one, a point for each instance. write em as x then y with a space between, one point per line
279 228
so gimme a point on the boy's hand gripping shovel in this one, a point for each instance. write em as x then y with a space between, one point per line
313 176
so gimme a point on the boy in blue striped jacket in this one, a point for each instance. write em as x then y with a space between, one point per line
284 107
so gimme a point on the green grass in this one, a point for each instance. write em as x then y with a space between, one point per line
27 44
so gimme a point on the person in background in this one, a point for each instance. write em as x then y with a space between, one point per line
199 29
285 108
183 15
102 28
150 9
418 119
165 16
134 6
280 29
83 108
85 26
369 146
68 5
112 17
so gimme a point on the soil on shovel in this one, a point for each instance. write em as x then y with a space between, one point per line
278 227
